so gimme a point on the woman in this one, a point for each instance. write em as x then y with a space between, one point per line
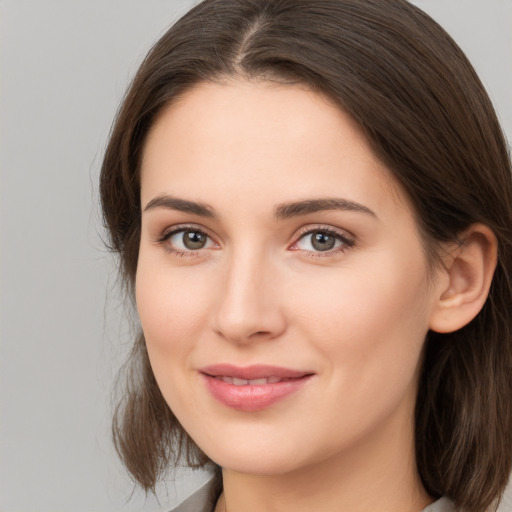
312 206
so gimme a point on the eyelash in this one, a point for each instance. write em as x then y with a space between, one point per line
346 241
167 235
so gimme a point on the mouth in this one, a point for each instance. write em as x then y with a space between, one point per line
253 373
249 382
254 387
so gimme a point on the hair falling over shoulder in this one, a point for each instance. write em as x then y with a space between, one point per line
428 118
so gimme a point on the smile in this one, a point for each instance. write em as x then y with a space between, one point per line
252 382
252 388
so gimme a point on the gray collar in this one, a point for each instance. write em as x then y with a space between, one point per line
202 501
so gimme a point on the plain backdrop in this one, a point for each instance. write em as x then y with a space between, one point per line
64 67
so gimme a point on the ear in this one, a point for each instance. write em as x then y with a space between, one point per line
464 279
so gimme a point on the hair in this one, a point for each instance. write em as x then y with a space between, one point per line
428 118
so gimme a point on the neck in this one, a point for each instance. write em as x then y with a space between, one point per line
374 475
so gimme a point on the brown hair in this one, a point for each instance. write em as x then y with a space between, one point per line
429 119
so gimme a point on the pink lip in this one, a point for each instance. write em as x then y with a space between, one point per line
252 397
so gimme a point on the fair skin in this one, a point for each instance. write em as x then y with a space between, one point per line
335 291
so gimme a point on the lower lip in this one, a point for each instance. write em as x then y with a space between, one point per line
252 397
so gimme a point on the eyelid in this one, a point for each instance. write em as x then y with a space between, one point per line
176 228
323 227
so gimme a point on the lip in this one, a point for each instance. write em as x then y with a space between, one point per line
252 396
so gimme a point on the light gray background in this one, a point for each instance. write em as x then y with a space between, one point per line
64 67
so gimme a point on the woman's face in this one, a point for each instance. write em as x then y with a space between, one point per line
281 283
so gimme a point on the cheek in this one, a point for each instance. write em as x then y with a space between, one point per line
172 308
370 322
173 312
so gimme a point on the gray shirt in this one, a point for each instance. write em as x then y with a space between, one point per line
201 501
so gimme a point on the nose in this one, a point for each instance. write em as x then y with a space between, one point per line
249 306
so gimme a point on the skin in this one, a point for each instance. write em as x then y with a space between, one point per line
259 292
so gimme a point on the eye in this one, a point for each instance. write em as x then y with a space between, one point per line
323 241
186 240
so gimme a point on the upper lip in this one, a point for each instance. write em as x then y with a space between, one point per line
257 371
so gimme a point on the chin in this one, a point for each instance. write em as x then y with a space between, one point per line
260 464
262 454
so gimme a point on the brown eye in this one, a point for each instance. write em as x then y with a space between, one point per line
188 240
322 241
194 240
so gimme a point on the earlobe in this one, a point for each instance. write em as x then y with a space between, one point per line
466 279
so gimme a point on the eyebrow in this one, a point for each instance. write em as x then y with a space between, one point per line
182 205
288 210
281 212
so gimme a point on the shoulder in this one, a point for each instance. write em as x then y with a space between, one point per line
203 500
445 505
441 505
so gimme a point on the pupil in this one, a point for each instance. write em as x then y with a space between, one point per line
323 241
193 240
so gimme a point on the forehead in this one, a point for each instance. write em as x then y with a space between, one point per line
262 137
